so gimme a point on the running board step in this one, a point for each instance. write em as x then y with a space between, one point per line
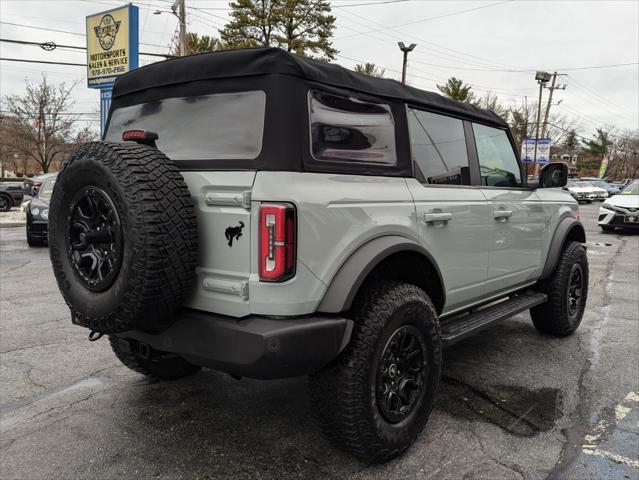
461 326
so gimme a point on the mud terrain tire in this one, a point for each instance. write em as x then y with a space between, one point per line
562 313
346 395
122 237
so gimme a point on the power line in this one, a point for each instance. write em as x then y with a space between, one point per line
369 3
42 61
423 20
596 96
67 32
593 67
456 53
49 46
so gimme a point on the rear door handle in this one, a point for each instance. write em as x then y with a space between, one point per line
432 218
502 215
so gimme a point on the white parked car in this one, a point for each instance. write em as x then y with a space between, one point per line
580 192
621 210
599 193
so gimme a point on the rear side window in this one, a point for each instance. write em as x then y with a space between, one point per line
348 129
498 164
438 147
207 127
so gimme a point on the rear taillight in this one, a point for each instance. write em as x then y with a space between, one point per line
277 242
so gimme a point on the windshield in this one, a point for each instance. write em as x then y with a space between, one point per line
572 184
585 184
600 183
632 189
46 189
207 127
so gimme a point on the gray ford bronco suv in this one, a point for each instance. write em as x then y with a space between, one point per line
269 216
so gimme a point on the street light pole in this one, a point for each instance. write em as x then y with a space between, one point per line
405 49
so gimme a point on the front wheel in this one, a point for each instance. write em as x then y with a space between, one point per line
374 400
567 291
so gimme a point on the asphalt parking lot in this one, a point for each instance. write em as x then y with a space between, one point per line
513 404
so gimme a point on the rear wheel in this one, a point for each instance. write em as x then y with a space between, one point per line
153 364
374 400
567 291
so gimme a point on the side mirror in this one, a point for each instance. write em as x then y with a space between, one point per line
553 175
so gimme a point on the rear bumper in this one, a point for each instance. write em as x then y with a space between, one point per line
256 347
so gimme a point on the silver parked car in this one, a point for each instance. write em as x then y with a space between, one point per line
269 215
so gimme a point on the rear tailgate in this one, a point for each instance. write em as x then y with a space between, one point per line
223 209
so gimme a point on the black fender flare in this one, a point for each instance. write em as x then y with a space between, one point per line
567 226
349 278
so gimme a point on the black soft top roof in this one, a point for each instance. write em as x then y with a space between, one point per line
264 61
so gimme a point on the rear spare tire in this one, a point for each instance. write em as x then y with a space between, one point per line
122 237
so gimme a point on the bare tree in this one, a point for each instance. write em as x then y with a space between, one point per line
40 125
523 117
624 156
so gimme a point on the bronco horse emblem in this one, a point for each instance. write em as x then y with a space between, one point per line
233 233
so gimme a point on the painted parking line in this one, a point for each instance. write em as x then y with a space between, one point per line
622 409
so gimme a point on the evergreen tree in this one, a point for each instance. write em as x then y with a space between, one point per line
304 27
198 44
370 69
456 89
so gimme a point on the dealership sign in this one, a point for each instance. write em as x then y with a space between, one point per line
528 150
112 45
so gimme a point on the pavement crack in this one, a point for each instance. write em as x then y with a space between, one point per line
575 434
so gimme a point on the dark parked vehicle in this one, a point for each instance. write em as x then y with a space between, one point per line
30 186
38 214
10 195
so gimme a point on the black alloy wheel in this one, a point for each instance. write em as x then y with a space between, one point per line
95 238
575 288
400 373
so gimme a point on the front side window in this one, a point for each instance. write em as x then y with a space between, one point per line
438 147
498 164
207 127
347 129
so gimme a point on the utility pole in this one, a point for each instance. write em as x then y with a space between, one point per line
178 9
552 88
182 20
405 49
542 78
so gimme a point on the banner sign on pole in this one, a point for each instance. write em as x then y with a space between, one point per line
603 167
112 45
528 150
112 49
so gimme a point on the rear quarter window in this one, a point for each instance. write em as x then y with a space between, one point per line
220 126
350 130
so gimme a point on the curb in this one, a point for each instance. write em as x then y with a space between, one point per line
12 224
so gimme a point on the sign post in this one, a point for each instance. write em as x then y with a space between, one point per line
112 49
